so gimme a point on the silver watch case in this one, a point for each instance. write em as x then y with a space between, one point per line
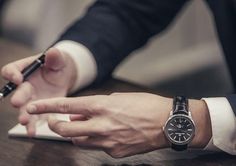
165 128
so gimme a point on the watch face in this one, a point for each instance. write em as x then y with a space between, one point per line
179 129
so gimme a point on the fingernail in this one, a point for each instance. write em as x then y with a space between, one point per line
31 109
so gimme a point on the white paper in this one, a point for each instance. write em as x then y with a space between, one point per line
42 129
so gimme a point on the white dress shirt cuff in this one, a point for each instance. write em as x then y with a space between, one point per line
84 61
223 125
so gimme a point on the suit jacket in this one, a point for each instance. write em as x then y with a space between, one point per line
2 3
112 29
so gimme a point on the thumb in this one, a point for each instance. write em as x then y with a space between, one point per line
55 59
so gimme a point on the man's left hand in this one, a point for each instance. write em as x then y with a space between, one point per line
121 124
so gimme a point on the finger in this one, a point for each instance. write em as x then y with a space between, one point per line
79 105
54 60
24 117
74 139
78 117
22 95
31 126
12 71
54 66
29 121
90 142
73 129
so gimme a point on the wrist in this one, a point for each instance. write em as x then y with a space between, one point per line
166 108
201 126
201 118
84 62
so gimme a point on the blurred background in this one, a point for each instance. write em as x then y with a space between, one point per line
184 59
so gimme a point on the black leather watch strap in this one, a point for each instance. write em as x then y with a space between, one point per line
179 147
180 105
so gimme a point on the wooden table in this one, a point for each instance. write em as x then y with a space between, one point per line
33 152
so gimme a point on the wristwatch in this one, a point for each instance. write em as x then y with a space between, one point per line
179 129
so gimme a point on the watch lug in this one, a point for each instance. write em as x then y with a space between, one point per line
190 115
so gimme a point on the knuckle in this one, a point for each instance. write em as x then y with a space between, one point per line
15 102
99 107
111 145
74 141
22 120
78 140
102 106
5 71
115 154
104 129
103 132
63 107
60 129
42 107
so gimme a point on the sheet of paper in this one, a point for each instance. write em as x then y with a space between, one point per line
42 129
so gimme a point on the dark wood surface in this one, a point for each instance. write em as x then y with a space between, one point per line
27 152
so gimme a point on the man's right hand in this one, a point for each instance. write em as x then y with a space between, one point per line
54 79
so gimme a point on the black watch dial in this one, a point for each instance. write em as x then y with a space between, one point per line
179 129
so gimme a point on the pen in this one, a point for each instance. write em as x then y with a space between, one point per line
26 72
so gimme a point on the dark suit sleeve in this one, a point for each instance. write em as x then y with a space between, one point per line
232 101
2 2
112 29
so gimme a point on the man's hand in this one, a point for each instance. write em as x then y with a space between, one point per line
54 79
121 124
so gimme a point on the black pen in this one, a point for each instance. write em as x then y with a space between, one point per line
26 72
